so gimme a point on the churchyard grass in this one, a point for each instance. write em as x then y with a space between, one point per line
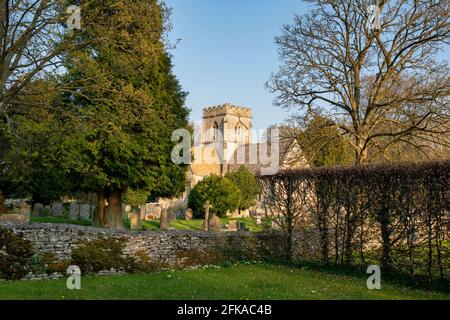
195 224
242 281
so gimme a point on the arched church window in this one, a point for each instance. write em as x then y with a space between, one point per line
238 132
215 133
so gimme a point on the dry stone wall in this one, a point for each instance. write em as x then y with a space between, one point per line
170 249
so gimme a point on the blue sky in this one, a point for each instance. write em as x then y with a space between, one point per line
227 52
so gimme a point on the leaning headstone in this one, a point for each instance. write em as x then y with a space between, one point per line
164 222
188 215
38 209
85 212
74 211
57 209
214 225
135 220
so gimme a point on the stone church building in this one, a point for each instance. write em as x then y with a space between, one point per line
223 141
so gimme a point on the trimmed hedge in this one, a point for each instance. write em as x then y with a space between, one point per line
395 215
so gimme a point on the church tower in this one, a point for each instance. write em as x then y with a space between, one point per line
226 127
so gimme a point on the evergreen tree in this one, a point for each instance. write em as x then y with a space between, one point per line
129 103
247 184
323 145
222 194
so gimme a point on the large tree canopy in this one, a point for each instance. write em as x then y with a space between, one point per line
129 103
379 86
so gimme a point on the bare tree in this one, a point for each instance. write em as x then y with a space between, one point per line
33 40
379 87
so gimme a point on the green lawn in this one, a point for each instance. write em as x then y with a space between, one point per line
197 224
149 225
252 281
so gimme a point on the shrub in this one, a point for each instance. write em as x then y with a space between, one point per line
101 254
247 184
15 255
52 264
222 194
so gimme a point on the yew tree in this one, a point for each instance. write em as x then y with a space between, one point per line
129 102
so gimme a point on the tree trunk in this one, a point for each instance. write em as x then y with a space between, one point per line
98 219
361 157
2 203
114 217
386 237
323 229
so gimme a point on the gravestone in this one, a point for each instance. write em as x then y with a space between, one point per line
207 206
135 219
164 222
74 211
258 220
57 209
188 215
232 225
38 209
85 212
214 224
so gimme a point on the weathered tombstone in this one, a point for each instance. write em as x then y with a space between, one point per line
232 225
2 203
207 206
74 211
38 209
57 209
164 222
214 224
188 215
85 212
135 219
258 220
